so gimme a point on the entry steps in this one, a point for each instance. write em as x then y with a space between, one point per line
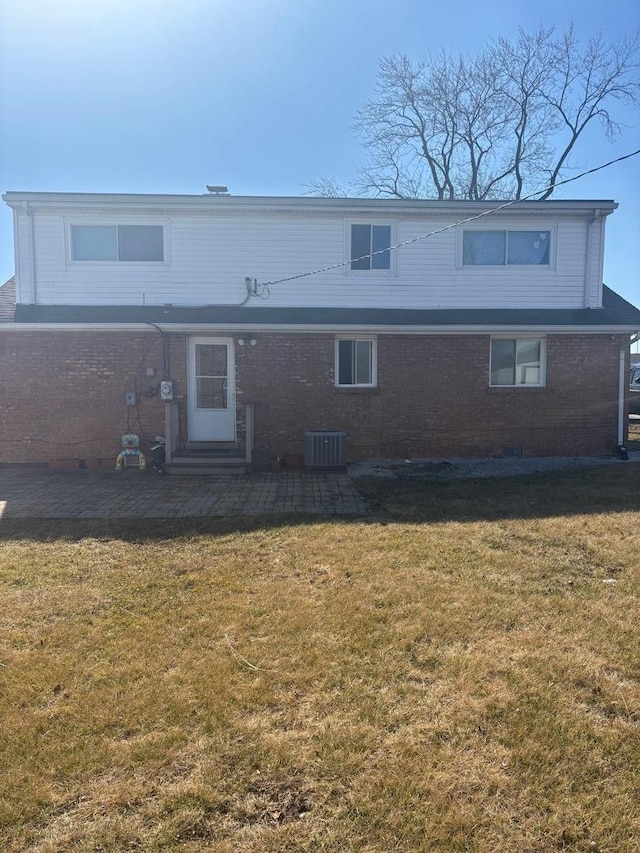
203 458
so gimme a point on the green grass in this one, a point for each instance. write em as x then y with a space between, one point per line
459 672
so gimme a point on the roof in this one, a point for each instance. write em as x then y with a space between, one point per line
8 301
306 203
616 314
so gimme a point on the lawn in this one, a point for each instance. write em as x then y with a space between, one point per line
458 672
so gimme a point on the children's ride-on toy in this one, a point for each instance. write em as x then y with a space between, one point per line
130 456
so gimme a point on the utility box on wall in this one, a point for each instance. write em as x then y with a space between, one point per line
325 448
166 390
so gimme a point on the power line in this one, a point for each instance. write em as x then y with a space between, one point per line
267 285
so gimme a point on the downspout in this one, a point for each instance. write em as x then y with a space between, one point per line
32 235
622 381
587 260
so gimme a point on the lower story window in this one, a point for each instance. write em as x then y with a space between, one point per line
356 362
517 361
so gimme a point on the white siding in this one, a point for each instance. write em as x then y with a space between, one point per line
209 254
23 257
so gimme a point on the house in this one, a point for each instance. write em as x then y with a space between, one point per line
416 328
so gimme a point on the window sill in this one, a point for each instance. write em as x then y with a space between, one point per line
356 389
498 388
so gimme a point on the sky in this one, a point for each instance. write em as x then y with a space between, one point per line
166 96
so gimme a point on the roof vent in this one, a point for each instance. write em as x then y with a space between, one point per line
218 189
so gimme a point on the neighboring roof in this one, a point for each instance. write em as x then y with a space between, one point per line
306 203
8 301
616 314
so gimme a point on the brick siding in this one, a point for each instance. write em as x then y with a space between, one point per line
63 395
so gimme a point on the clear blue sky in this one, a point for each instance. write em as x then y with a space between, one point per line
167 96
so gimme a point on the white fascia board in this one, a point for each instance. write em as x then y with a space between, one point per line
274 204
237 328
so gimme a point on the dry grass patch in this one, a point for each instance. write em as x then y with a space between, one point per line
459 673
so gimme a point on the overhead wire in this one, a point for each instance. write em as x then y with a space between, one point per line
444 228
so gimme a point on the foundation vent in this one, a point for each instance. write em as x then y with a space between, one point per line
324 448
512 452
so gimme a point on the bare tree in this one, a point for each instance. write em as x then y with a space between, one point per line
326 188
502 124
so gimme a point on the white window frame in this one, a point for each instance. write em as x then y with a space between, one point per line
543 359
111 223
372 339
505 266
392 241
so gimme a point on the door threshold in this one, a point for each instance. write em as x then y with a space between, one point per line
212 445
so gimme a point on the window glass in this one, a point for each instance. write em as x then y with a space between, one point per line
363 362
117 242
94 242
345 363
355 362
211 359
528 247
211 393
367 239
496 248
516 361
140 243
503 362
483 247
360 245
527 362
381 239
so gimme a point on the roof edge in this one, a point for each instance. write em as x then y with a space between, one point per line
230 202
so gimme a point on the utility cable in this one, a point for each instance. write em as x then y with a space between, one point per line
444 228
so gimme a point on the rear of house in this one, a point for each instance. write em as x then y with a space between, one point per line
223 321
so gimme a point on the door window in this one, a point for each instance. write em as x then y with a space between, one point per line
211 376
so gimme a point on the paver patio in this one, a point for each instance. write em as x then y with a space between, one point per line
133 494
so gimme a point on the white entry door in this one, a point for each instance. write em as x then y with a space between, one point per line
212 392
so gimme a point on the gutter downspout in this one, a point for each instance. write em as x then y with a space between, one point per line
621 399
587 260
32 236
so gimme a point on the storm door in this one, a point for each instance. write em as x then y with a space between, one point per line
212 410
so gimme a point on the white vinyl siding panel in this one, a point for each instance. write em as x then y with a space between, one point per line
23 258
210 254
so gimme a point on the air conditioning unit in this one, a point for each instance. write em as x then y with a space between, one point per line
325 448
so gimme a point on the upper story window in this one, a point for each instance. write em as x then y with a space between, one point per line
117 243
517 361
496 248
370 247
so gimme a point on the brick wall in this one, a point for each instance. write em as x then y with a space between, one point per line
433 397
63 395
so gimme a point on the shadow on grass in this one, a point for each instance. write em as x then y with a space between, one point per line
607 489
587 491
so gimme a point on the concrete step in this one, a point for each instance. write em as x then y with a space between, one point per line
206 459
199 465
211 447
205 471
